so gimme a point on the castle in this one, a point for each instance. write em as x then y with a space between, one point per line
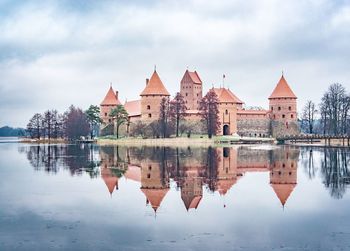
154 167
279 119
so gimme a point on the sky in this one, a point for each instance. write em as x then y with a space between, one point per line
57 53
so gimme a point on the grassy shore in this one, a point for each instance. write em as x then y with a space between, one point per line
181 141
44 141
196 140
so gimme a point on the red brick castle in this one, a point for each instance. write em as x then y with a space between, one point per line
279 119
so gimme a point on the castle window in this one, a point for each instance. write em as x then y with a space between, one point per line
291 116
148 107
105 113
148 176
290 173
274 116
109 120
197 94
271 108
289 108
186 94
150 115
226 112
283 116
279 108
149 167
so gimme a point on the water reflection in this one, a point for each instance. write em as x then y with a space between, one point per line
193 169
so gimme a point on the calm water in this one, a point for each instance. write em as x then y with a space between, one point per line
76 197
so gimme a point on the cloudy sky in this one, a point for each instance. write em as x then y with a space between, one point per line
57 53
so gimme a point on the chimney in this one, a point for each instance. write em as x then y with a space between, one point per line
116 94
147 80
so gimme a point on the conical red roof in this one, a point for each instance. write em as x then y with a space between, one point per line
283 191
110 180
282 90
111 98
191 201
155 86
155 196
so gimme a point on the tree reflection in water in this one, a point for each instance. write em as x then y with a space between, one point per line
335 170
75 158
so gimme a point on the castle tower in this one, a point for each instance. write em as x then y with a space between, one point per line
283 173
283 109
109 102
227 169
151 97
191 188
228 103
154 182
191 89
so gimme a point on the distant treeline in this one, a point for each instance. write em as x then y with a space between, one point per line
7 131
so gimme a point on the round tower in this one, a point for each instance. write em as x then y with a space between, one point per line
283 110
151 97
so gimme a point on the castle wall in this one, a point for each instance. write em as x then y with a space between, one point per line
251 125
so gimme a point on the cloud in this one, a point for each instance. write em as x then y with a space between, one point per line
56 53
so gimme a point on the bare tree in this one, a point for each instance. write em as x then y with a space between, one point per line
177 110
308 115
164 114
34 127
334 109
76 123
210 112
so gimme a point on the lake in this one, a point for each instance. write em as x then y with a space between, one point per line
90 197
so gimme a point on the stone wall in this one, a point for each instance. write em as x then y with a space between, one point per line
253 127
279 128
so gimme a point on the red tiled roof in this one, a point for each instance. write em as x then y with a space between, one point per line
226 96
155 196
110 98
282 90
191 202
155 86
195 77
224 185
283 191
133 107
110 180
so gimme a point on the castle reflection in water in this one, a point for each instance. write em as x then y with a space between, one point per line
192 169
217 169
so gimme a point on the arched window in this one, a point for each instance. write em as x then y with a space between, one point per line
283 116
291 116
226 112
148 107
279 108
289 108
150 115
